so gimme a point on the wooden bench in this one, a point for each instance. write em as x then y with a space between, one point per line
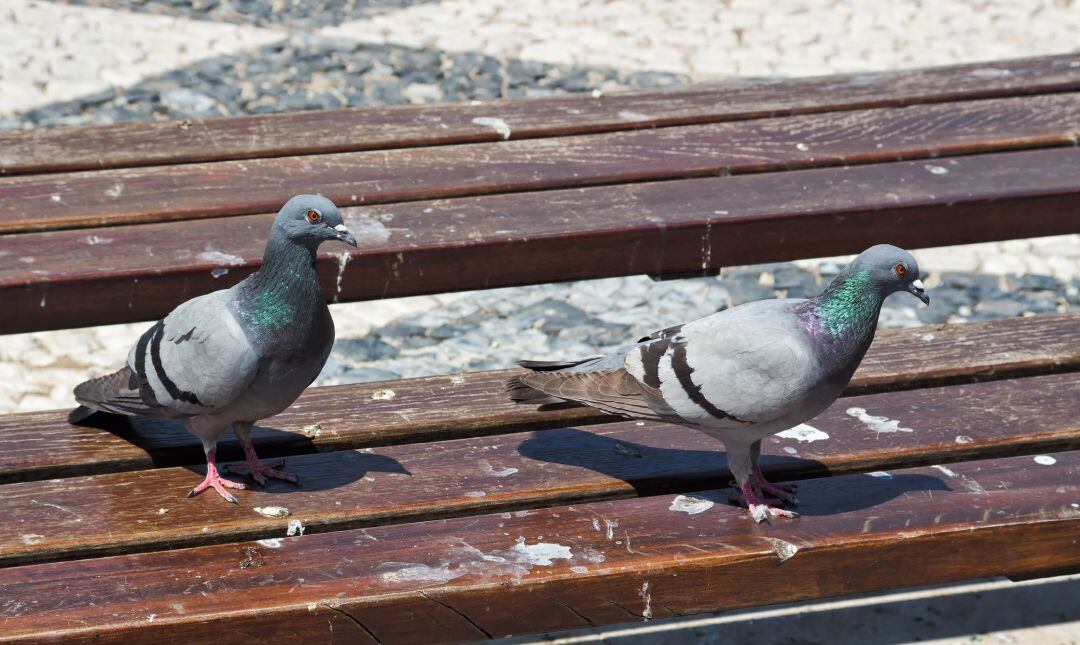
434 510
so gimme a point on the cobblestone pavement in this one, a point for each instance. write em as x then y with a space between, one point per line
98 61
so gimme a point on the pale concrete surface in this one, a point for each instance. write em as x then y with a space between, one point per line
55 52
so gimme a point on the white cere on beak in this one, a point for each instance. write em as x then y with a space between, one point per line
340 228
917 284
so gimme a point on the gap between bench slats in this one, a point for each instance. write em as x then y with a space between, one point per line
494 241
565 567
147 510
171 142
109 197
41 445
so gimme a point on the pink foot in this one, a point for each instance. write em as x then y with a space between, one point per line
216 481
761 508
260 470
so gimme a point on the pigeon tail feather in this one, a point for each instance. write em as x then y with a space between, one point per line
117 393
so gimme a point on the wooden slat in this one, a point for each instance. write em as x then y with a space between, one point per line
110 197
41 445
171 142
146 510
572 566
503 240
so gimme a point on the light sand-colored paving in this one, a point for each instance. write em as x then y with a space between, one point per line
57 52
710 39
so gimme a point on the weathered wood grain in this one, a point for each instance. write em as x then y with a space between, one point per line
42 445
140 195
171 142
142 272
147 510
570 566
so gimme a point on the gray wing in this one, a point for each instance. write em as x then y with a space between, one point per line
747 365
197 360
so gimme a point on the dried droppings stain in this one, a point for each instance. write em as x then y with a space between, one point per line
252 558
880 474
32 538
646 598
1045 460
690 504
500 126
803 433
271 543
936 170
272 511
295 528
383 395
488 469
962 439
627 115
218 257
784 550
877 424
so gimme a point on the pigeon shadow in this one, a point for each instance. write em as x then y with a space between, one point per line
652 470
847 493
169 444
323 471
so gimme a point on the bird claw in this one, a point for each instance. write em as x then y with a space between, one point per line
219 484
762 508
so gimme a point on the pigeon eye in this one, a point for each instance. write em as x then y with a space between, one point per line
314 216
900 269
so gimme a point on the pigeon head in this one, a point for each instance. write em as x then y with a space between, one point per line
891 269
311 220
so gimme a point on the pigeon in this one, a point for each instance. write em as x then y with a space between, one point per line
235 356
740 374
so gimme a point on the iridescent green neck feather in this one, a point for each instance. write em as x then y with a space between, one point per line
849 304
282 298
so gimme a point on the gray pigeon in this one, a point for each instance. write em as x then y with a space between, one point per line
741 374
238 355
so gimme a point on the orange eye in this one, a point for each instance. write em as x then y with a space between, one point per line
900 270
314 216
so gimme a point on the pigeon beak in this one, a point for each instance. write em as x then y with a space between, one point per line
344 235
917 289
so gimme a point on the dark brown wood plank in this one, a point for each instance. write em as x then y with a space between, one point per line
42 445
502 240
147 510
140 195
172 142
564 567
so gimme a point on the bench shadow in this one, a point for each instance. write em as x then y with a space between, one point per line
651 471
882 619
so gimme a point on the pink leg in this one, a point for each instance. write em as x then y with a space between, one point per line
260 470
760 507
215 481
